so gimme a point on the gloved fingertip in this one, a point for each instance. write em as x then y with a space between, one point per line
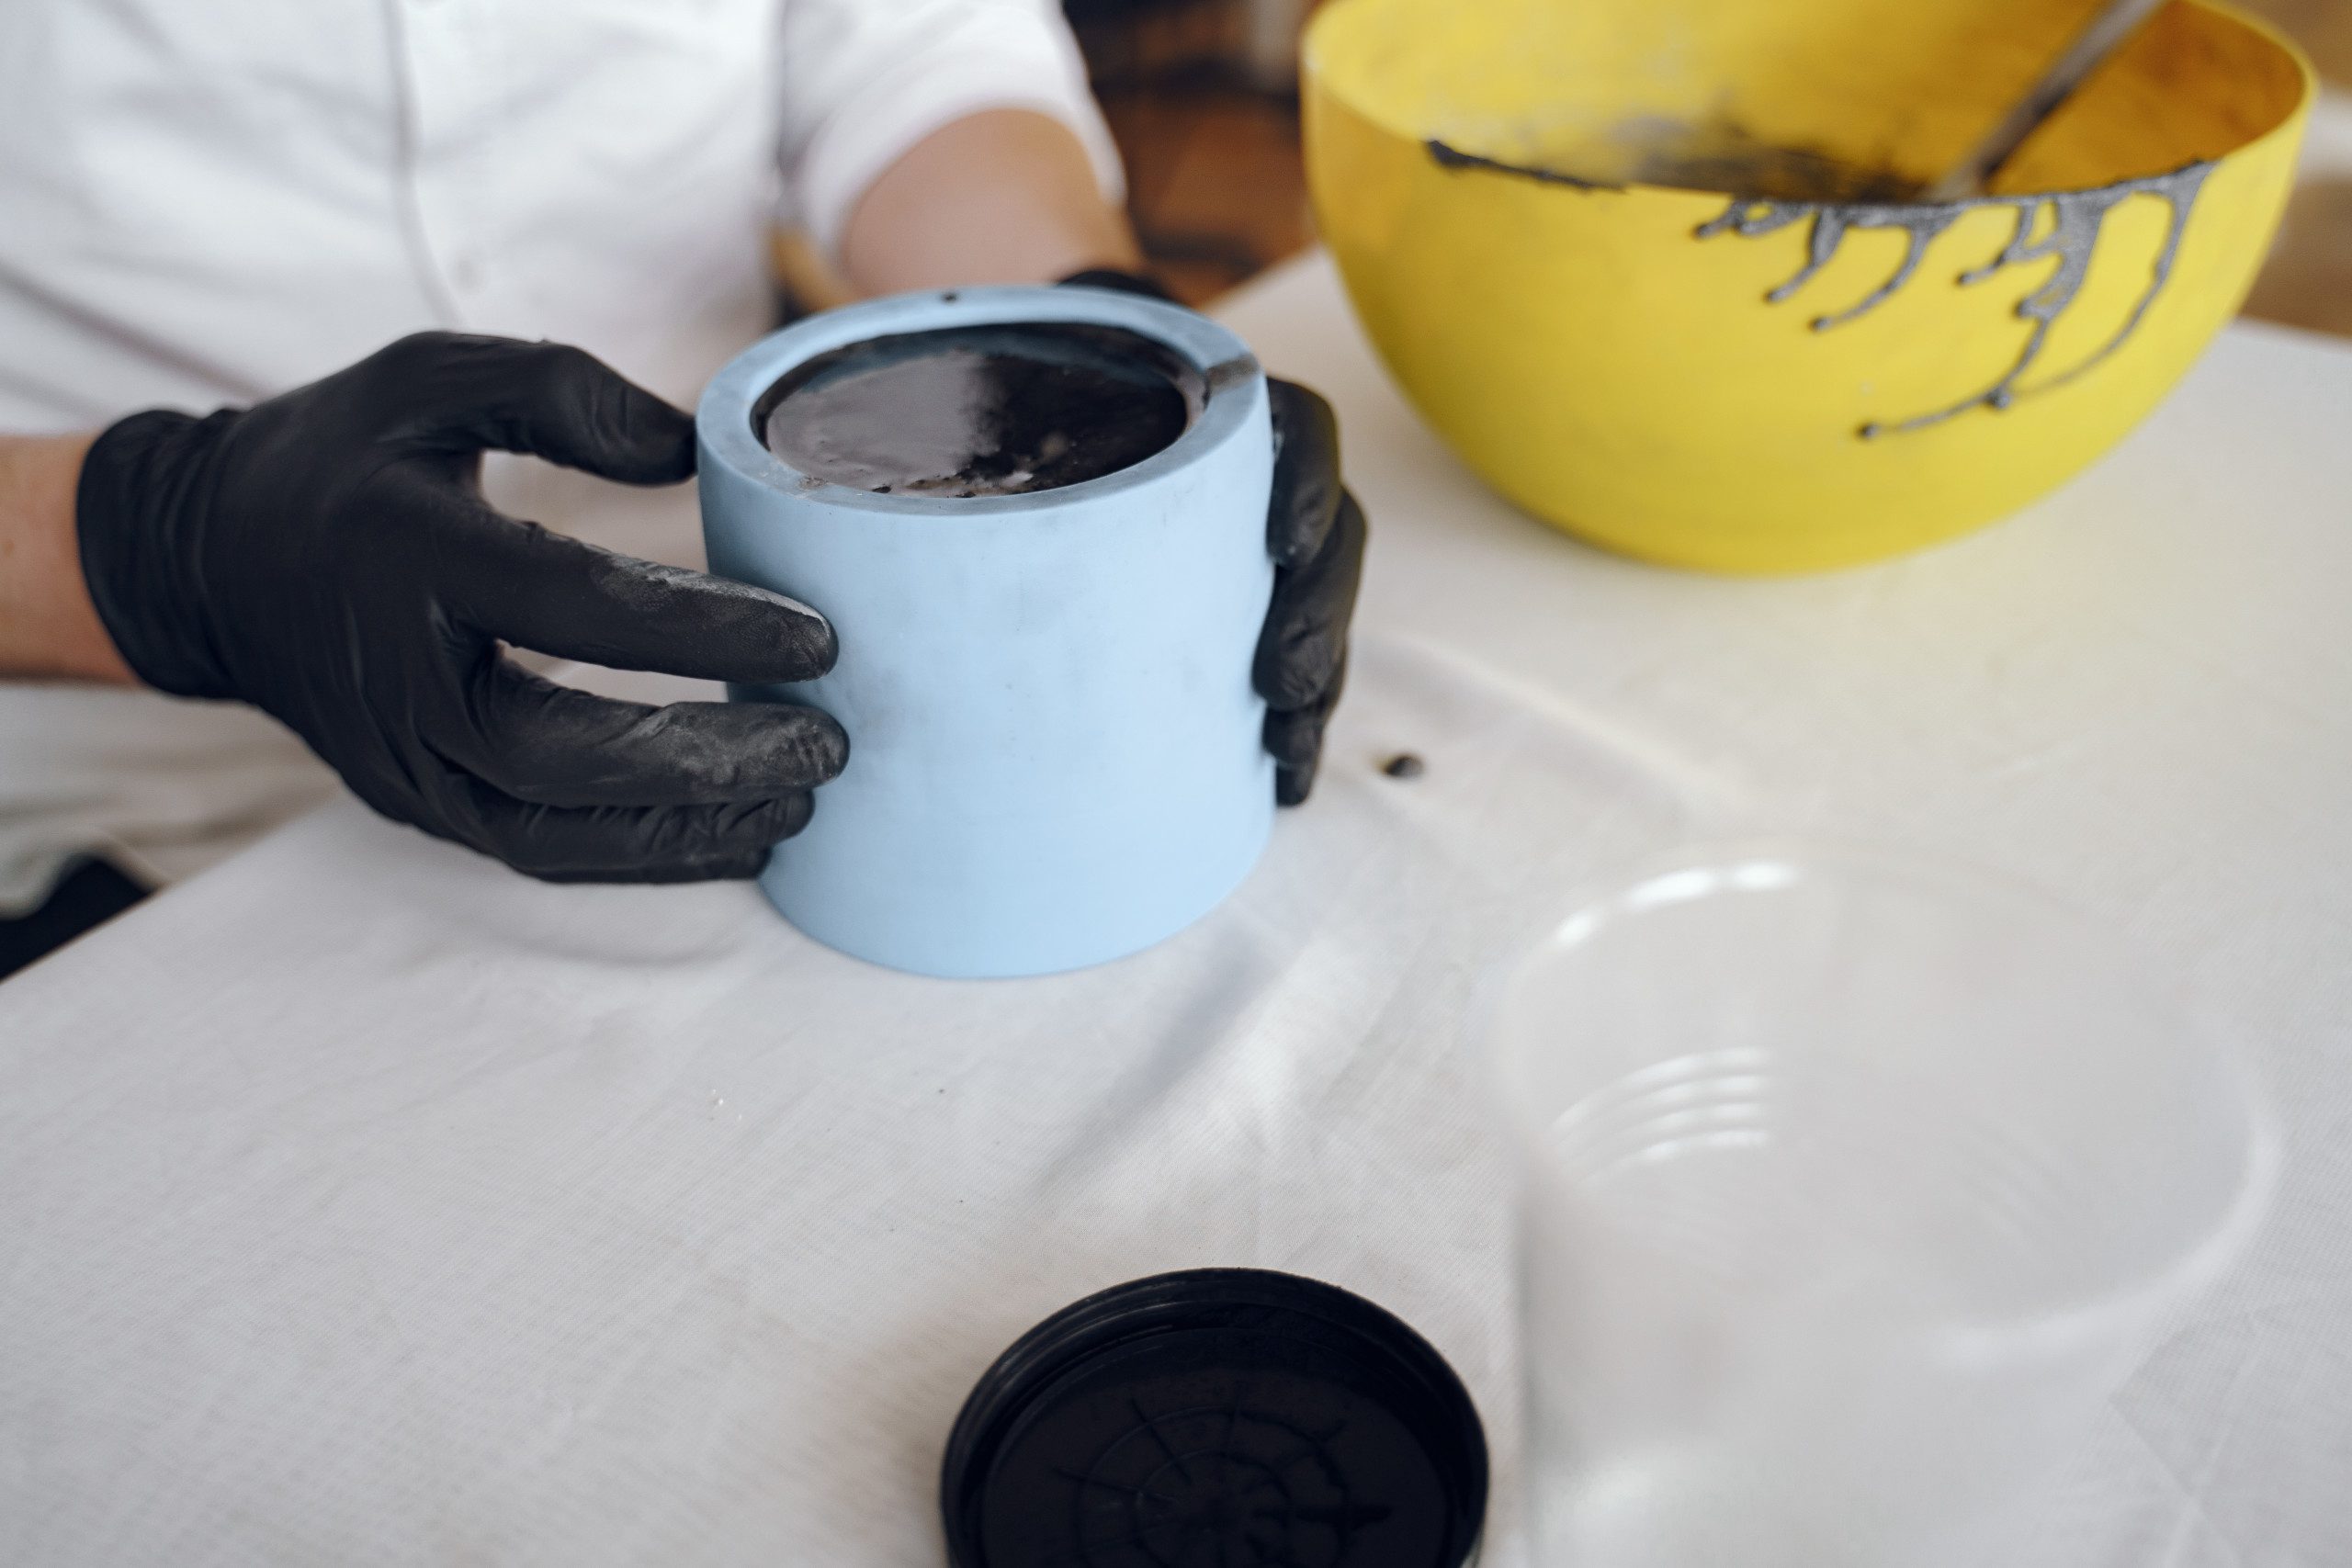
1301 515
1294 784
738 866
1297 408
581 412
758 825
827 745
647 440
800 644
796 814
820 645
1294 739
745 867
1297 669
789 748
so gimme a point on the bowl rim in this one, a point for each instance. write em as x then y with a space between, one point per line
1315 80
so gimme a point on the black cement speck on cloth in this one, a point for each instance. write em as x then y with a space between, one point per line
976 411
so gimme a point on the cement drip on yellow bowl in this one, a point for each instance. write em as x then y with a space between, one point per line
1579 340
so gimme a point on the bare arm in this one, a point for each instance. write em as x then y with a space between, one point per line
1005 196
47 626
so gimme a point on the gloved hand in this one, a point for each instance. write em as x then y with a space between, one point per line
327 556
1316 532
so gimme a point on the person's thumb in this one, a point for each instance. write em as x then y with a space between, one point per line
464 393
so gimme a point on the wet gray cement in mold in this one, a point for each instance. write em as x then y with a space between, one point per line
983 410
2078 218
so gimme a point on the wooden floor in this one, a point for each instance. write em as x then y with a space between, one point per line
1218 192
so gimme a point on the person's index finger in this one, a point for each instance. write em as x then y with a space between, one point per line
1306 473
548 592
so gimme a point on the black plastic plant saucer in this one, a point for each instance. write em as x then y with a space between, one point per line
1217 1418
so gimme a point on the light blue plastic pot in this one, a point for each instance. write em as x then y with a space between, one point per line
1054 748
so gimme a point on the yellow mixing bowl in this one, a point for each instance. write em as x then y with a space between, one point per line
1518 193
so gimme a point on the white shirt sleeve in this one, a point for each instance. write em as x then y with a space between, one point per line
864 80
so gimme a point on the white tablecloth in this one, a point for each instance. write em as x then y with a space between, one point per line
361 1203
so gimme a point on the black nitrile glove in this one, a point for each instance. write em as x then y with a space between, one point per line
327 556
1316 532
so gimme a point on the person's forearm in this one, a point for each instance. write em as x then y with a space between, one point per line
1005 196
47 626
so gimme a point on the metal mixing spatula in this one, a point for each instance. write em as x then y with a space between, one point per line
2105 33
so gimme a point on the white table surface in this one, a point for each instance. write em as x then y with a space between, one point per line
361 1202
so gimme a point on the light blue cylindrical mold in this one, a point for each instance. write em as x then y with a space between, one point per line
1055 746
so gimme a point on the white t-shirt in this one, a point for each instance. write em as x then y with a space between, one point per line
207 203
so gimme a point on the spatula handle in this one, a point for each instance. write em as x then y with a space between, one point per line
2100 37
